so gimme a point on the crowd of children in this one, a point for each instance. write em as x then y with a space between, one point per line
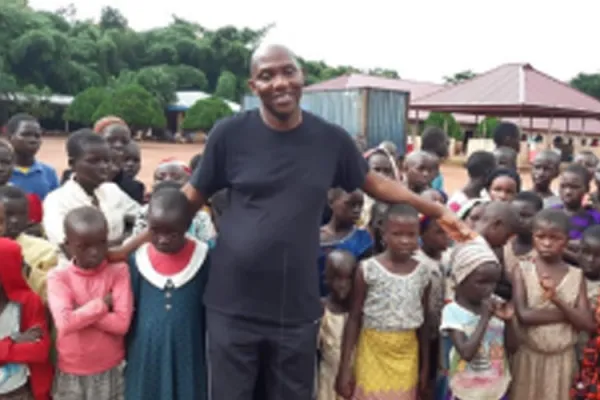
511 313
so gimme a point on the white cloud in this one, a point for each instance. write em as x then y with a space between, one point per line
422 39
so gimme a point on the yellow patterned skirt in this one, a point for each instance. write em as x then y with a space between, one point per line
387 365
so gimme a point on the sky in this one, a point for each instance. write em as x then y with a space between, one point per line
423 40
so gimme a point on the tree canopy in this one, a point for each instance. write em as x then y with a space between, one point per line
56 52
205 113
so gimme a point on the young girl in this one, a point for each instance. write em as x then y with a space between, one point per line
339 274
545 168
552 306
503 184
341 231
420 168
387 328
26 370
520 247
383 163
474 331
479 166
173 173
165 354
91 304
378 211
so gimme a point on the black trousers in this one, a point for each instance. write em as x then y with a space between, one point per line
248 359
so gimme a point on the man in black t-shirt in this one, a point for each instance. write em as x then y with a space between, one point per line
262 296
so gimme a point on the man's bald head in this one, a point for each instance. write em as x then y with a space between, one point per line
270 51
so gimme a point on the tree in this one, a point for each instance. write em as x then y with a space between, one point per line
486 127
111 18
204 114
84 105
67 55
227 86
135 105
460 77
447 122
587 83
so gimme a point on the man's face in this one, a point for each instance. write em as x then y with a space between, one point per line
277 80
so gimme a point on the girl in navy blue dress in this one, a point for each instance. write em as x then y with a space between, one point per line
166 354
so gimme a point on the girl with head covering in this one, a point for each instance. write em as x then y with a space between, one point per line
25 371
475 362
381 161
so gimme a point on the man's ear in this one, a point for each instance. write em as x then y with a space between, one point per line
71 161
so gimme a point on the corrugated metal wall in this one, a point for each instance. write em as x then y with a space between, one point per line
342 107
387 118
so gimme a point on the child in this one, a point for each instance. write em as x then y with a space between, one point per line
545 168
339 274
507 134
387 328
378 211
381 162
420 169
503 184
7 165
25 345
435 141
586 382
474 329
435 195
434 242
588 160
174 174
29 174
471 211
89 157
91 304
573 188
520 247
506 157
40 256
165 356
551 306
479 166
341 231
132 160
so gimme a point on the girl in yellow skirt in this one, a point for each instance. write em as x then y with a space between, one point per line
386 330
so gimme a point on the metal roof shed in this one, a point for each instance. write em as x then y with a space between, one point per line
376 113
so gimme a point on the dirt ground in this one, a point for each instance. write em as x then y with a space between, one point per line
53 153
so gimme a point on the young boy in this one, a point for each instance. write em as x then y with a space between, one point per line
508 134
40 256
435 141
526 205
132 159
420 169
91 303
506 157
480 165
588 160
545 168
31 175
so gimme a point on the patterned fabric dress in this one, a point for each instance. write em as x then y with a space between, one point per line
544 363
330 344
165 353
387 354
586 384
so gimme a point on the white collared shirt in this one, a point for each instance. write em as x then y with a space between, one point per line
113 202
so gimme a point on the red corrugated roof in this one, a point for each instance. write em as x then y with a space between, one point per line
510 90
360 81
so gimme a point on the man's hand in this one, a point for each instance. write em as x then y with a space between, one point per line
456 229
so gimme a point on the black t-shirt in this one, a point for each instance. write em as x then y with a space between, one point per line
264 265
